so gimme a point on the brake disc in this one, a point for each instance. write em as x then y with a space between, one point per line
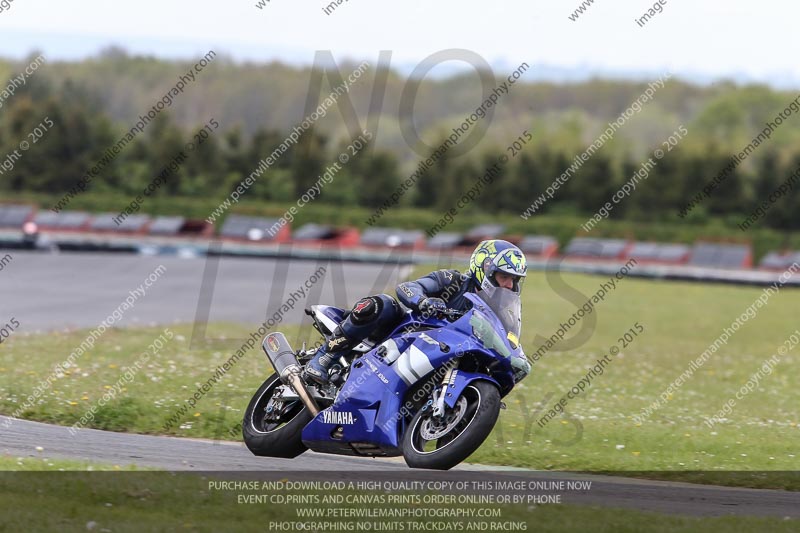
433 429
277 404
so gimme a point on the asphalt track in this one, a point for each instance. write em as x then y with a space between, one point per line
76 290
45 292
234 461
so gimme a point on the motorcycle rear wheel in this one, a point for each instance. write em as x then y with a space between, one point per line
270 434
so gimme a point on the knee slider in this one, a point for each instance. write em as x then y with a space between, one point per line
366 310
371 316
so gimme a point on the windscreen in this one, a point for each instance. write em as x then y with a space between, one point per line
508 308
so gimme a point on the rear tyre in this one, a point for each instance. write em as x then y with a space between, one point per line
441 444
274 428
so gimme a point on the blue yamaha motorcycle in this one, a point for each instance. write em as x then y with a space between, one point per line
431 391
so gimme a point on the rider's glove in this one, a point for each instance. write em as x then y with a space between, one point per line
432 306
521 368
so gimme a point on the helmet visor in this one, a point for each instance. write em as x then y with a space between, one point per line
516 280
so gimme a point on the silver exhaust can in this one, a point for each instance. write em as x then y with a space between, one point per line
280 354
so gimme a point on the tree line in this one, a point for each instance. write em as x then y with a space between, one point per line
83 130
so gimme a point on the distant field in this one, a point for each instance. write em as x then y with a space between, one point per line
680 320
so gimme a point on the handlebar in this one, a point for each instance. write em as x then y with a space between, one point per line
449 313
452 313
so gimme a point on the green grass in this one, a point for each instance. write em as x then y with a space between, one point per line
150 399
680 321
45 464
135 502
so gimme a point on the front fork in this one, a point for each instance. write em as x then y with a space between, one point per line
447 381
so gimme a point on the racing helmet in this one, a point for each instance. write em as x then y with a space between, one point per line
493 256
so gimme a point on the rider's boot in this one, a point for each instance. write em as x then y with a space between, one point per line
317 368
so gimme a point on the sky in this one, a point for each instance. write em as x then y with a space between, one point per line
705 39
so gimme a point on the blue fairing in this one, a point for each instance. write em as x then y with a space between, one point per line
371 409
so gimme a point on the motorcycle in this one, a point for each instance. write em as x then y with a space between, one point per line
430 391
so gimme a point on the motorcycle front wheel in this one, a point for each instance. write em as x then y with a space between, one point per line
274 428
440 443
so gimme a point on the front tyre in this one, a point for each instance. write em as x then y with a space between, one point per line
272 426
442 443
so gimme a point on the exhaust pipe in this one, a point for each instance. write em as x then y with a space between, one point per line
282 357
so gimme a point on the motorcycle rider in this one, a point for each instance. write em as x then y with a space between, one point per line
494 264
